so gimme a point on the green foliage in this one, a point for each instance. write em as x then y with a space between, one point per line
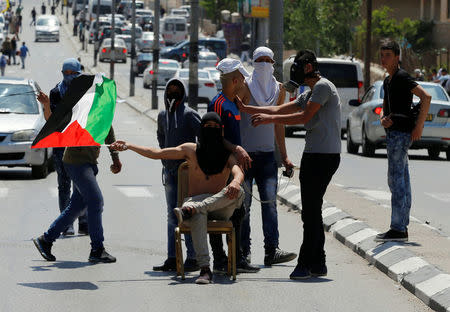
213 8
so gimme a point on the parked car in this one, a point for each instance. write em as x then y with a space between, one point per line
166 70
93 27
142 62
364 128
207 89
346 75
47 28
120 50
21 119
145 44
127 40
205 59
215 75
180 52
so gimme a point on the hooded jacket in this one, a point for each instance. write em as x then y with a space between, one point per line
181 126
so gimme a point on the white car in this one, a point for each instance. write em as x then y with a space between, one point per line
145 43
207 89
205 59
21 119
47 28
215 75
166 71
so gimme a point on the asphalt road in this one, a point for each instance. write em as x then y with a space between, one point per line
135 232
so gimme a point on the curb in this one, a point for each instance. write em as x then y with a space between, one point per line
422 279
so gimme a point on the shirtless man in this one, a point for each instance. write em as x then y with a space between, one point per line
209 167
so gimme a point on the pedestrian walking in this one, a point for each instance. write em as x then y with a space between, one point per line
319 110
53 8
19 25
43 8
6 49
3 62
262 89
402 128
23 54
177 124
14 49
7 20
70 67
33 17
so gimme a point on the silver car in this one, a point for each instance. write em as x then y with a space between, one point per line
120 50
215 75
145 43
205 59
47 28
166 70
127 40
21 119
366 130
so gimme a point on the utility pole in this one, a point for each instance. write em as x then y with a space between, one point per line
97 29
112 54
133 46
193 56
276 36
155 56
367 55
83 23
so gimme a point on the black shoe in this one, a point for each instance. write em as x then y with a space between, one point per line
277 255
83 229
300 273
392 236
245 267
220 265
44 247
205 276
167 266
100 255
190 265
318 272
69 231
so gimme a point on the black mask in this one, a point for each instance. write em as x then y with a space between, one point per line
297 72
211 153
174 97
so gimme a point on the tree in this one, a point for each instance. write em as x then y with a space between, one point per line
214 7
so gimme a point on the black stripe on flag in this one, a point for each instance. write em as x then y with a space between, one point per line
61 117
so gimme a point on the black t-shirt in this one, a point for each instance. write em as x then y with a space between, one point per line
398 100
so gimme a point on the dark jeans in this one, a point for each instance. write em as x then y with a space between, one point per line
86 193
264 171
316 171
170 181
64 183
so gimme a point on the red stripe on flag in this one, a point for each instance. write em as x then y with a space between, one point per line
73 136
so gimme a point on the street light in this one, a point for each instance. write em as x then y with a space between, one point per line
133 47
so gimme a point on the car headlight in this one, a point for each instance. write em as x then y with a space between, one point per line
23 135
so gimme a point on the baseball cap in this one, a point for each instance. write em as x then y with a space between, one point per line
229 65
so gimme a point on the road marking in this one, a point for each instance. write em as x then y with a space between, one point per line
444 197
135 191
378 195
3 192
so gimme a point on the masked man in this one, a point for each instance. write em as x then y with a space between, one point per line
177 124
210 165
262 89
71 68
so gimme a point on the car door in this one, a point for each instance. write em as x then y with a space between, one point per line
359 113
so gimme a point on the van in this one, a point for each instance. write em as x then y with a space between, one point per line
105 8
180 52
345 74
126 7
77 6
174 29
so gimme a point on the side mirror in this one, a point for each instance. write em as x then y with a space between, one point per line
355 103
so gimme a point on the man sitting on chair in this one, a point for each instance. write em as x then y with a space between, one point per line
209 167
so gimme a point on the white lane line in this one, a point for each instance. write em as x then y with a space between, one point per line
444 197
3 192
135 191
432 286
377 194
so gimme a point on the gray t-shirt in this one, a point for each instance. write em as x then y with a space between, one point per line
323 131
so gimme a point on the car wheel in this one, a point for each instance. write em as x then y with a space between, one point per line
288 132
124 61
352 147
448 154
40 172
368 149
434 152
145 86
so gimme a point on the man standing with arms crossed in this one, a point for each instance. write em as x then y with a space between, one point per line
401 131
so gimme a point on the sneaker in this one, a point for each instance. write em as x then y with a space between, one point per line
69 231
100 255
392 236
220 265
318 272
300 273
245 267
205 276
44 247
167 266
277 255
183 213
190 265
83 229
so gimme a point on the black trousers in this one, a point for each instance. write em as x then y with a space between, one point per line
316 171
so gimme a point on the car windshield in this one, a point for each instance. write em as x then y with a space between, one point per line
437 93
166 64
201 74
342 75
47 22
18 99
145 57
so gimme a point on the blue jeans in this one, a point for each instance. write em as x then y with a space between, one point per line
64 183
22 58
264 171
86 192
398 144
170 182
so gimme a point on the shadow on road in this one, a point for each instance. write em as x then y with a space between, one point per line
61 265
15 174
61 285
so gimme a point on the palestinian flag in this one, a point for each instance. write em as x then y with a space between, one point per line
84 116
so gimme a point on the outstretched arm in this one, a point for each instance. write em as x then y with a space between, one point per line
291 119
287 108
179 152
